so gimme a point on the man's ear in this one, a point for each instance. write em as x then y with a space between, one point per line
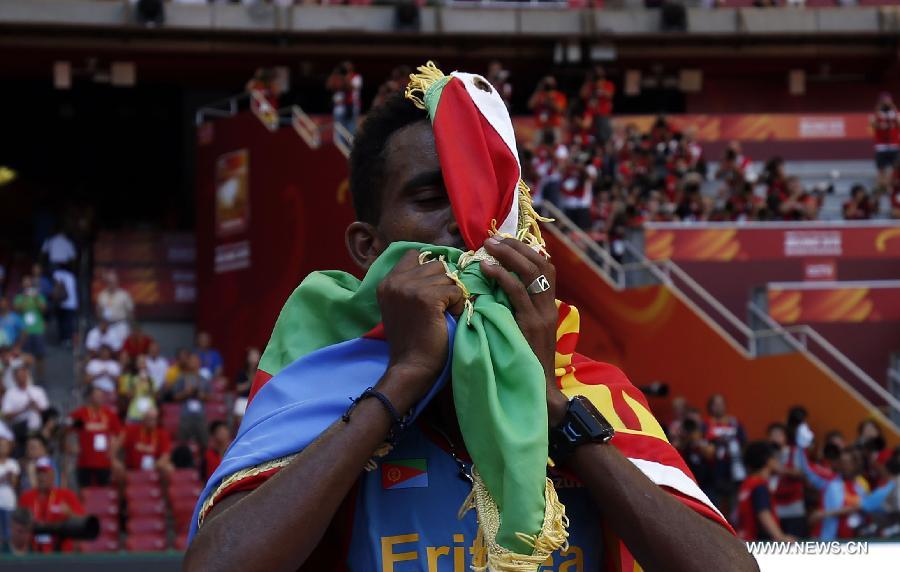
364 243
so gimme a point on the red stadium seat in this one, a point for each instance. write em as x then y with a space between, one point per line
185 476
146 507
102 508
216 411
181 542
109 527
141 477
145 525
140 491
99 493
183 506
100 545
145 543
185 489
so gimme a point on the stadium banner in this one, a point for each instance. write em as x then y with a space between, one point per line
727 242
748 127
876 301
232 193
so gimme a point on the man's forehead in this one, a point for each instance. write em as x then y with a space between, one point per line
410 150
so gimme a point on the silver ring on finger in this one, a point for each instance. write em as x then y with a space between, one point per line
539 285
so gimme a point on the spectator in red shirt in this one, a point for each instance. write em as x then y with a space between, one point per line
597 96
886 125
219 440
99 437
860 206
50 504
147 445
756 520
549 106
137 343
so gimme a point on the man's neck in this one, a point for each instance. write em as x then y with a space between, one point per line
441 415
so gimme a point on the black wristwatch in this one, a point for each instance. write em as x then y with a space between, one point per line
582 424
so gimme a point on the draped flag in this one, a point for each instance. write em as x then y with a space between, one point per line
327 347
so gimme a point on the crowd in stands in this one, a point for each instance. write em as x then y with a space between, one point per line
791 485
147 431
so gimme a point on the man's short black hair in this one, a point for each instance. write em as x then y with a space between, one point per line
369 153
213 426
757 455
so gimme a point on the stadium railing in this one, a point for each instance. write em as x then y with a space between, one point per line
763 336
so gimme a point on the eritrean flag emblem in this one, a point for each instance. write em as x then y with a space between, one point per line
404 474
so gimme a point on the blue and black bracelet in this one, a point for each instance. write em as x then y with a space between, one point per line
398 422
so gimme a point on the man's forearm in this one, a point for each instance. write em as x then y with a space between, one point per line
289 513
660 531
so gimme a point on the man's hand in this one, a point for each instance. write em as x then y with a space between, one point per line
413 298
536 314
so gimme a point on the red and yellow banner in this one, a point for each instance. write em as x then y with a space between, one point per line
718 242
791 304
746 127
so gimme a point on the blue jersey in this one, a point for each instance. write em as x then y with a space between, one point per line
405 516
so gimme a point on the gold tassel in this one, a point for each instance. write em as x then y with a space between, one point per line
488 556
420 82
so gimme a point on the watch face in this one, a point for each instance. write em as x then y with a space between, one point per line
596 426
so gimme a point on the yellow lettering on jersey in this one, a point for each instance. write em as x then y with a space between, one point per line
389 557
434 553
574 564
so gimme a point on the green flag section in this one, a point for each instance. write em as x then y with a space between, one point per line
498 384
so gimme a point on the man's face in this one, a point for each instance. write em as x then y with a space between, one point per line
717 406
21 377
848 464
778 436
414 202
44 479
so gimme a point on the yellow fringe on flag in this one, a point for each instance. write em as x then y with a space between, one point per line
488 556
420 82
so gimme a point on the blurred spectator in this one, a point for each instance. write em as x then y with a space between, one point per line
102 372
35 448
102 335
798 203
21 524
136 390
115 305
727 436
860 206
9 480
498 77
265 83
346 88
698 453
549 106
59 249
23 404
42 282
244 381
597 100
11 325
847 500
50 504
756 520
157 365
219 440
175 371
788 484
192 390
98 429
147 445
210 359
137 343
10 359
396 83
65 298
735 167
886 125
31 306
